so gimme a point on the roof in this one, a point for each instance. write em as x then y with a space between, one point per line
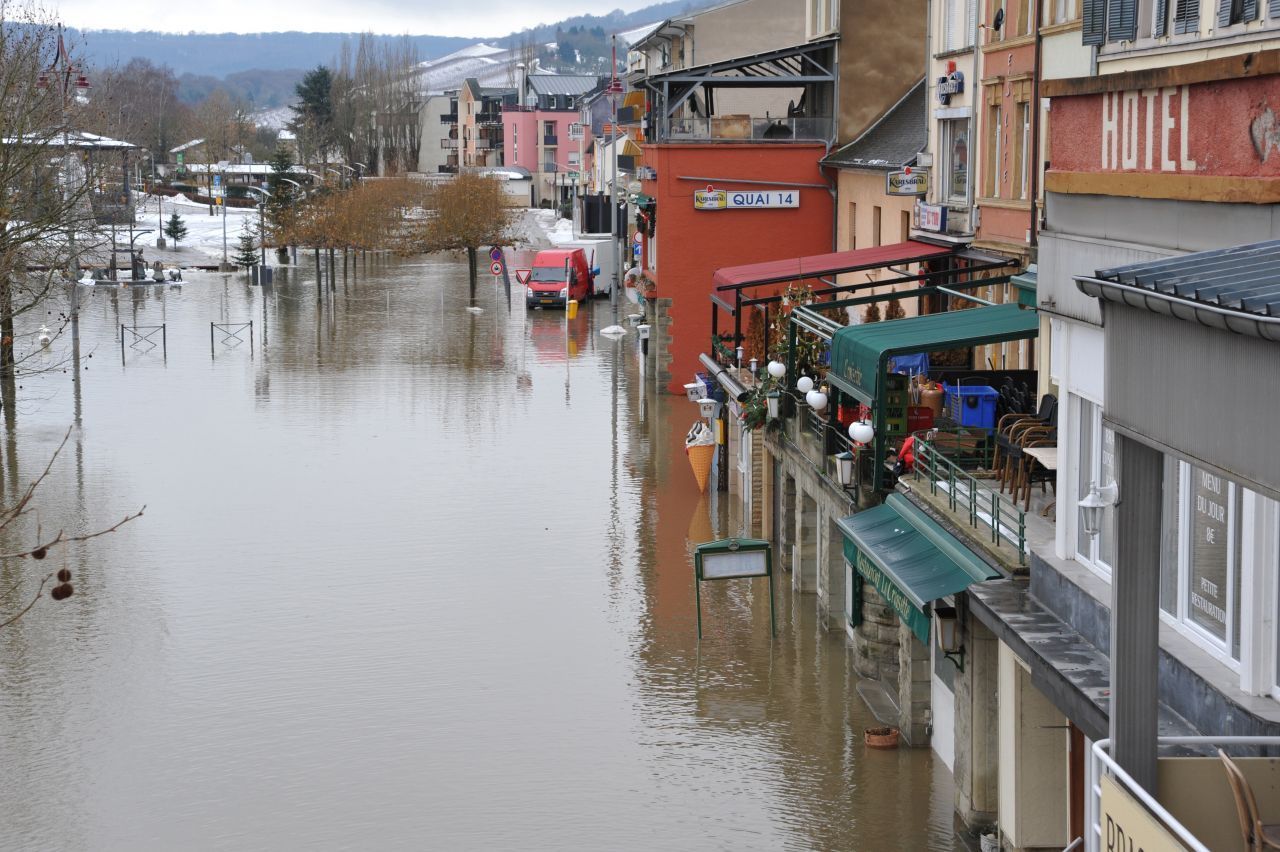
891 142
859 352
796 268
185 145
1236 289
910 559
562 84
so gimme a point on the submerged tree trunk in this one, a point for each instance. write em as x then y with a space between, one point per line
471 270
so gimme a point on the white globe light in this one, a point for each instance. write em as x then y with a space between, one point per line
777 369
817 400
804 384
861 432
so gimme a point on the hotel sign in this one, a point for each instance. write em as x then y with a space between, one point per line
719 199
907 182
1127 825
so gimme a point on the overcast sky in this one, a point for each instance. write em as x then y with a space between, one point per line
470 18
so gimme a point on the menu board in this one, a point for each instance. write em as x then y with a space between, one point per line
1208 577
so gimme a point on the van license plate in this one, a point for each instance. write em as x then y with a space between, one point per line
548 301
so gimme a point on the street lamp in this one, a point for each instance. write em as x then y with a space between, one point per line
262 219
67 76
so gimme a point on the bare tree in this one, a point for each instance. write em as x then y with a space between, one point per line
468 212
44 193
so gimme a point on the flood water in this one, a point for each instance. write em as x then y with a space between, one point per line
408 578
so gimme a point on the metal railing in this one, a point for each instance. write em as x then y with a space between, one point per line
746 127
1101 763
940 458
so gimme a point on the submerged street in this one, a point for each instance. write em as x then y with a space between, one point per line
409 577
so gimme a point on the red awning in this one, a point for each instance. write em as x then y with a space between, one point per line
794 268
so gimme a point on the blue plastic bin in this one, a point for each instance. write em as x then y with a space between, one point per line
972 405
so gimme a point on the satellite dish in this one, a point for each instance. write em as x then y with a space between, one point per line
998 21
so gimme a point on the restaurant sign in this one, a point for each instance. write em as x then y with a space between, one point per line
719 199
908 181
1126 824
889 591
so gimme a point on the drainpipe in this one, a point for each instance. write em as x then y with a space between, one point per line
1034 241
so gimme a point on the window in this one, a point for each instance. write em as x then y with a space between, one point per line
822 16
1022 8
1176 17
1095 463
876 217
1201 564
999 6
1236 12
959 19
1021 157
853 226
954 135
906 225
1061 11
995 153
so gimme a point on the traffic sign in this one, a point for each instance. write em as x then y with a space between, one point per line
637 236
495 254
495 268
217 180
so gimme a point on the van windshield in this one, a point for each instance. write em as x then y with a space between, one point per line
548 274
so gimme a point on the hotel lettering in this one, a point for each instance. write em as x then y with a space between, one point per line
1147 130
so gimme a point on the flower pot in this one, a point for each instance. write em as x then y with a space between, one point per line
881 737
989 842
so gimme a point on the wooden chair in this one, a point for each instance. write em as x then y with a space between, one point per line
1015 461
1257 836
1010 425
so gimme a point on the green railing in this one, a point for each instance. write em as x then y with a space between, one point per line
942 459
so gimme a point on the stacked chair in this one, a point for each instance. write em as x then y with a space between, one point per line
1018 432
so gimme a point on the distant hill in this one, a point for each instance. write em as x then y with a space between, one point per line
218 55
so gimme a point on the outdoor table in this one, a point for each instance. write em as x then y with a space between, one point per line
1048 459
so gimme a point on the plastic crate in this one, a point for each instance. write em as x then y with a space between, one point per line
972 405
714 391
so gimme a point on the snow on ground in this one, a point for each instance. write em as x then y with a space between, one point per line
204 232
559 231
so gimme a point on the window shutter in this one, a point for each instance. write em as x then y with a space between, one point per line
1162 18
1251 10
1187 19
1273 9
1224 13
949 25
1095 20
970 22
1122 20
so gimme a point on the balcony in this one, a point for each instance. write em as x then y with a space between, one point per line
450 169
1195 808
488 119
449 118
484 144
449 143
746 128
549 141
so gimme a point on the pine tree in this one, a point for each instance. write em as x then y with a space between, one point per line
175 230
281 201
247 252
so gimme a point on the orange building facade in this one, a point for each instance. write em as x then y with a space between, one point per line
758 184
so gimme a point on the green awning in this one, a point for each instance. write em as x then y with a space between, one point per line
1026 284
859 352
910 559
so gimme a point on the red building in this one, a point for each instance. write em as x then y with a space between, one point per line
724 205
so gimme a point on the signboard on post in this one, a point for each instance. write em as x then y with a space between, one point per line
732 559
1126 824
907 182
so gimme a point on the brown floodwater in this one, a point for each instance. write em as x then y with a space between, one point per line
410 577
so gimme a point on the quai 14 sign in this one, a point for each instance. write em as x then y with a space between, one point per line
720 199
